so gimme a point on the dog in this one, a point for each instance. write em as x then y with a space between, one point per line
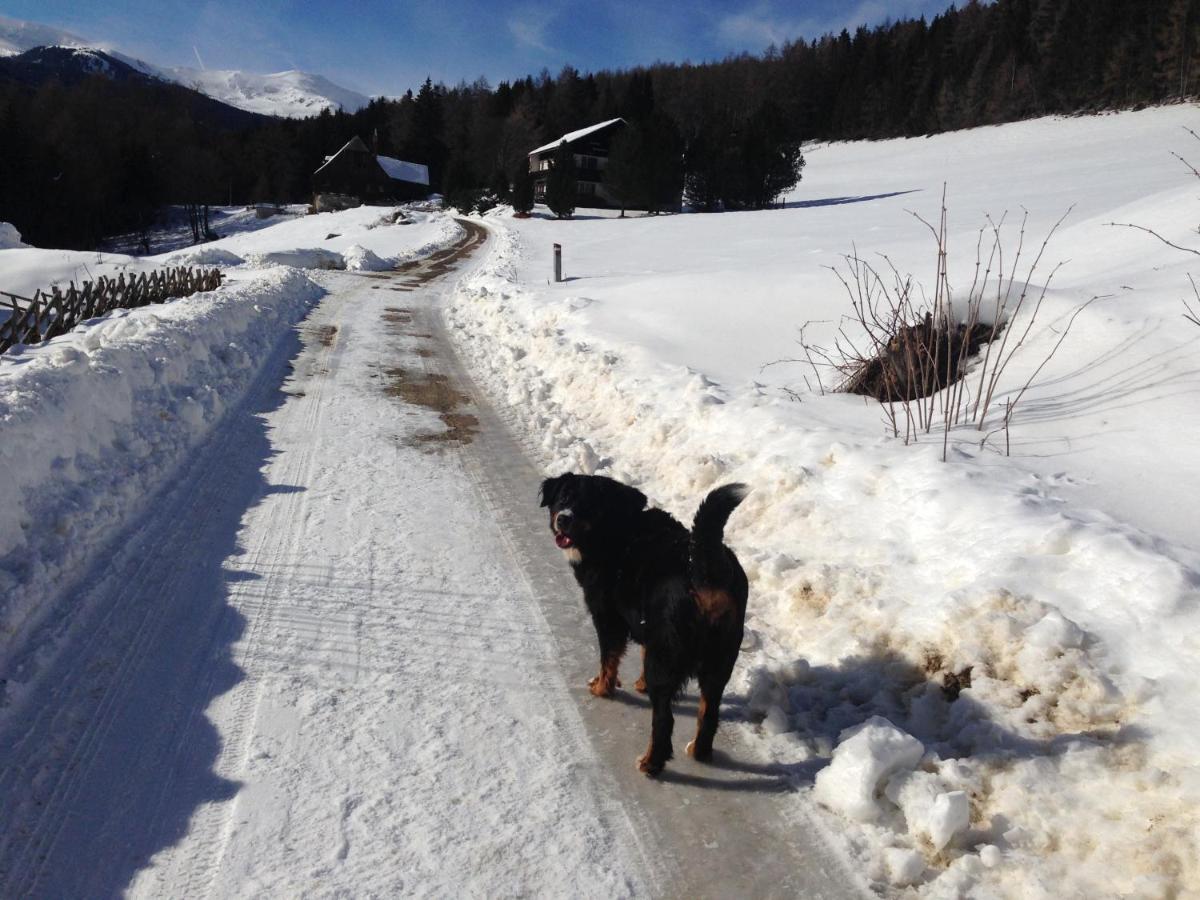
681 595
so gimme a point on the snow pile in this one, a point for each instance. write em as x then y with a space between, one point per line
366 238
96 420
360 259
10 238
204 256
1031 653
313 258
866 756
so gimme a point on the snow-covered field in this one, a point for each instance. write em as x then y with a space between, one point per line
996 651
96 420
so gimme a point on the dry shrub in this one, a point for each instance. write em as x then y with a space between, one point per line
938 361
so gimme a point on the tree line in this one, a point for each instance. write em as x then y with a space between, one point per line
85 161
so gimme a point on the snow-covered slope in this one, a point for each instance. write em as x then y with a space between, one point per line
290 94
17 36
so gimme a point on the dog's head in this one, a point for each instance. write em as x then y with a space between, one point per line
587 508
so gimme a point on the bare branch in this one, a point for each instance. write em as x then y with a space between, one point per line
1151 231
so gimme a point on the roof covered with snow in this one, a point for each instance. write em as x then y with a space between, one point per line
396 169
573 136
404 171
355 143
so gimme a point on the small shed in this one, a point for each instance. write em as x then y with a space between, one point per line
355 175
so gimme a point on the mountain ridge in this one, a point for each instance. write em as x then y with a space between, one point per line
290 94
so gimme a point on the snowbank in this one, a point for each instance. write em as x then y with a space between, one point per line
363 239
204 255
299 259
10 238
1040 653
96 420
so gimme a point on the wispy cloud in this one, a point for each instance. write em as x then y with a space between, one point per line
529 33
529 24
759 26
762 24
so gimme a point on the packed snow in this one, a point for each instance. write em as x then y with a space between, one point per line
981 668
94 421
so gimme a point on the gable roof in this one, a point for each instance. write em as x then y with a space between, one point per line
573 136
355 143
400 170
396 169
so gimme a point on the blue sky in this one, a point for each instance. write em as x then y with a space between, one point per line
379 47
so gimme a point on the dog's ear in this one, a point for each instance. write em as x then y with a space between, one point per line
549 490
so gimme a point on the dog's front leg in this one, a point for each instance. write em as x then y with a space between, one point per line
613 634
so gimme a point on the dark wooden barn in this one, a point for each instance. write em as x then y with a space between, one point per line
355 175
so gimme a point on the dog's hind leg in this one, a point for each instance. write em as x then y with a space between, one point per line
640 684
613 635
662 678
661 727
712 687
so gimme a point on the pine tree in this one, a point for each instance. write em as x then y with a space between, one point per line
627 175
522 193
561 187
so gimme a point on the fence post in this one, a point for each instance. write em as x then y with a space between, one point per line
558 262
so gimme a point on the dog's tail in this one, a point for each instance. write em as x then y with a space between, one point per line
707 559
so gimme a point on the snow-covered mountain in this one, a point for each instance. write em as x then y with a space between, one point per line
17 37
290 94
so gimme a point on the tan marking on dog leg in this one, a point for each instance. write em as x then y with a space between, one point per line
643 762
701 711
606 683
640 684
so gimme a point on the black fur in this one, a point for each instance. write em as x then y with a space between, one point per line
645 578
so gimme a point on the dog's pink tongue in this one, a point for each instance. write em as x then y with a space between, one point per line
562 540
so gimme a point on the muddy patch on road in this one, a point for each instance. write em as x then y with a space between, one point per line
416 386
434 392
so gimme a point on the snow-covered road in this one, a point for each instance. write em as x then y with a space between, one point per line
340 658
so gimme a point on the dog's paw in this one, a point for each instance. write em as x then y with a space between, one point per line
698 754
648 767
601 687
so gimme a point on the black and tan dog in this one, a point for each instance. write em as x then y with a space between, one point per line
680 594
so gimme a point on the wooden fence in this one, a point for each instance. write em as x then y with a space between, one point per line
31 320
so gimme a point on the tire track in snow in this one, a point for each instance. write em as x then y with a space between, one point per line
92 680
214 823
